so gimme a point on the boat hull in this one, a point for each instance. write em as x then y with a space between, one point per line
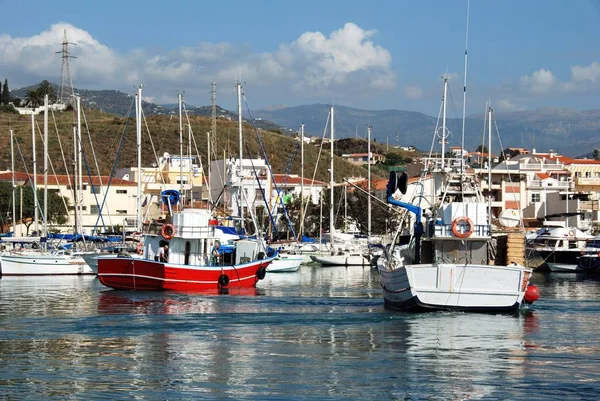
564 257
341 260
30 264
563 267
285 263
474 288
140 274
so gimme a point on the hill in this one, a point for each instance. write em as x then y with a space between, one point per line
566 131
107 135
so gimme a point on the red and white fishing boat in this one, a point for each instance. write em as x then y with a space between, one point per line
190 238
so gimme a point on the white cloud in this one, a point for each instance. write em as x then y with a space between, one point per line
507 105
589 73
541 81
413 92
347 62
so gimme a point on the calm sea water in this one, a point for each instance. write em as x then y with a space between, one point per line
319 333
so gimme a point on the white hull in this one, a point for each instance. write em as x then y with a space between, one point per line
341 260
482 288
563 267
43 264
92 258
285 263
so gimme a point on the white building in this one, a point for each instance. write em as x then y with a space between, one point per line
116 199
292 185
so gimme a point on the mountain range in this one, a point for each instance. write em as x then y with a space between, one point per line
566 131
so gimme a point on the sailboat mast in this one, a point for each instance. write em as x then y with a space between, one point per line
138 130
301 181
490 164
209 198
241 187
12 169
79 167
45 221
331 222
35 199
75 180
179 101
443 136
369 184
190 167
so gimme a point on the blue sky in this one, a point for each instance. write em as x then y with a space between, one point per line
377 55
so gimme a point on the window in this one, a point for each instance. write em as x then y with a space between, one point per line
588 174
535 197
95 190
121 211
93 209
121 191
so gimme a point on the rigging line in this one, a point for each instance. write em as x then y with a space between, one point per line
53 171
194 142
522 224
152 144
112 172
61 149
97 167
464 111
263 195
317 164
29 177
290 225
485 116
453 108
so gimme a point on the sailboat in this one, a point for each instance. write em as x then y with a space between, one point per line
448 263
190 235
342 253
41 260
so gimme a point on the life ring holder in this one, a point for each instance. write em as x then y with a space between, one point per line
460 221
167 231
140 248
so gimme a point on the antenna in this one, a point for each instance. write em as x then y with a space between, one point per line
66 92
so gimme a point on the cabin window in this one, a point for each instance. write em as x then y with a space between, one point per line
186 260
573 245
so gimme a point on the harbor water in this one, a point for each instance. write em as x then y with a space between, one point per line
318 333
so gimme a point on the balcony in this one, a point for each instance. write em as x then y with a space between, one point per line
587 181
557 185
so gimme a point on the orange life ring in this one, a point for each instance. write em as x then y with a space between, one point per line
140 248
460 221
167 231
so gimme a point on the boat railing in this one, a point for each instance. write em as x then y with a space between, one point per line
445 231
194 232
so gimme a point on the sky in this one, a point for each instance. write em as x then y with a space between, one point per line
522 55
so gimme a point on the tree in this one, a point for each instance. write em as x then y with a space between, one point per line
5 93
34 98
56 209
45 88
596 154
482 149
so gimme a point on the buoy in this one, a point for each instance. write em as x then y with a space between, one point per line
532 294
213 222
223 280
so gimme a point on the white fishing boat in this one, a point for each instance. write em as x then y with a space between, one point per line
285 263
447 265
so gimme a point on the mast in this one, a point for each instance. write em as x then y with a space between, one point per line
443 136
464 113
190 166
301 181
79 167
179 101
138 129
75 180
35 199
12 168
331 222
45 221
490 163
369 184
241 187
208 169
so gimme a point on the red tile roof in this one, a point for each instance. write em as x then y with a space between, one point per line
294 180
64 179
542 176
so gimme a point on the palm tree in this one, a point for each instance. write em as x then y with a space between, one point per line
34 97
